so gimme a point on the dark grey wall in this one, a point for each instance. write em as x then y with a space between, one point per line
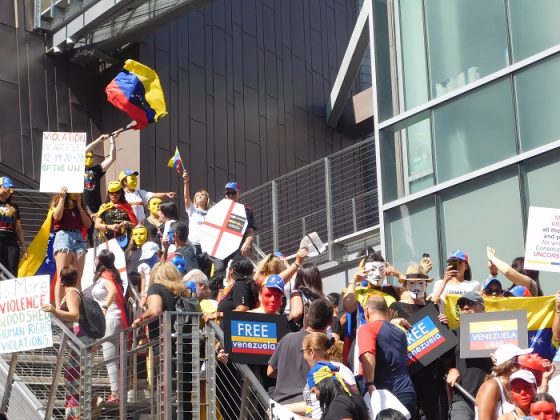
247 82
37 93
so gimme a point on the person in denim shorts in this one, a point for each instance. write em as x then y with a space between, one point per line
70 221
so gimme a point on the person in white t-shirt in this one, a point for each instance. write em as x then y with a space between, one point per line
196 209
137 197
457 279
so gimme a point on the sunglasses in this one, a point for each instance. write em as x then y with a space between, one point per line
114 193
231 193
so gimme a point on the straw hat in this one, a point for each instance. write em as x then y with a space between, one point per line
415 272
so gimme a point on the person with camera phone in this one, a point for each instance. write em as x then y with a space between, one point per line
457 279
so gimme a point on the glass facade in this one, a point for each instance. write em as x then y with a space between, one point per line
425 49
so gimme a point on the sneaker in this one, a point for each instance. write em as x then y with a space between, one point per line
112 398
130 397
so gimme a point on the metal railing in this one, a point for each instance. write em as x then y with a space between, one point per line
334 197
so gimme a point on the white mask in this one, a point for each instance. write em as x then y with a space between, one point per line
416 288
375 272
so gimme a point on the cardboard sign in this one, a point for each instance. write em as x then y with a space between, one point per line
428 339
482 333
313 243
542 247
23 324
63 162
223 229
252 338
89 265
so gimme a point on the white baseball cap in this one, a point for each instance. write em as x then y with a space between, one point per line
148 250
524 375
508 351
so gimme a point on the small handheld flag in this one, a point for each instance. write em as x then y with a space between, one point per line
175 161
137 91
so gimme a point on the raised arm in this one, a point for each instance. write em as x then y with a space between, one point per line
507 270
97 141
187 190
109 160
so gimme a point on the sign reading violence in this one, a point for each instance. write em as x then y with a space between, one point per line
427 339
62 162
252 338
542 248
23 325
482 333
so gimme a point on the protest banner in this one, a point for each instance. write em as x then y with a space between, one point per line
313 244
89 265
427 339
542 247
252 338
223 229
63 162
23 324
482 333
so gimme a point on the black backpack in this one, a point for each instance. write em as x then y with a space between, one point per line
92 319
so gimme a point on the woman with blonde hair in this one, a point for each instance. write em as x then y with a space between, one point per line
317 347
197 208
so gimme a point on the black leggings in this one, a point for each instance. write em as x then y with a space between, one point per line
9 256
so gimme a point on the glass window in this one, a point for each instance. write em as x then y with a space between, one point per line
419 155
534 26
538 173
388 166
467 40
484 212
538 102
410 231
413 68
474 131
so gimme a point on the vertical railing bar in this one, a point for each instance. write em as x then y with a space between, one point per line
165 353
354 218
275 233
123 374
210 373
328 203
9 382
56 378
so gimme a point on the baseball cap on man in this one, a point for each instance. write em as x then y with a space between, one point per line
232 186
6 182
472 297
507 351
461 255
127 172
274 281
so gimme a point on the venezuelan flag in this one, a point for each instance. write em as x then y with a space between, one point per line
137 91
175 161
40 258
540 314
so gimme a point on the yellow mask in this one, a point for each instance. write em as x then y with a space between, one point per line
140 235
132 182
154 206
89 160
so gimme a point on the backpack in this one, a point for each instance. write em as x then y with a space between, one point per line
92 319
186 303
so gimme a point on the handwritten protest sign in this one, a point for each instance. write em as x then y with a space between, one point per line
542 247
251 337
427 339
482 333
23 325
62 162
223 229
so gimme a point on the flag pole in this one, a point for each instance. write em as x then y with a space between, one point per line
129 126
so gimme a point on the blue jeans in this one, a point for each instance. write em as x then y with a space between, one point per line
69 241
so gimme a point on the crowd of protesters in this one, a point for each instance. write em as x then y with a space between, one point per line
343 349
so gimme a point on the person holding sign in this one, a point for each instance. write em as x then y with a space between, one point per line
115 218
271 295
12 242
138 198
69 221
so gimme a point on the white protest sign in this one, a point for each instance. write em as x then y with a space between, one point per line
542 247
223 229
63 162
278 412
89 265
23 325
313 244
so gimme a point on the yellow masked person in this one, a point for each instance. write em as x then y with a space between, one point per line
137 197
152 222
134 251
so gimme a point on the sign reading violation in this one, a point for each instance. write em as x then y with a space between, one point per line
63 162
23 324
427 339
252 338
482 333
542 248
223 229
